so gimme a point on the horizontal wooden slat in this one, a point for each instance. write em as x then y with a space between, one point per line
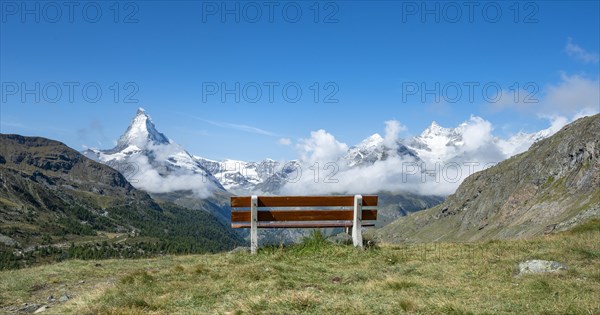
303 215
302 201
330 224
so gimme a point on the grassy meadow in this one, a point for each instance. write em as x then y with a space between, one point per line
319 277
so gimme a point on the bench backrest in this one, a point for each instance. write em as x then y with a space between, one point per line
302 211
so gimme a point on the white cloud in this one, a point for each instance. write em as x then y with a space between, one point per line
579 53
395 173
438 173
241 127
334 178
586 112
164 176
284 141
321 147
572 95
147 178
392 129
477 133
244 128
524 99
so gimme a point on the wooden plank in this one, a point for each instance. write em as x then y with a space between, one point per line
330 224
302 215
302 201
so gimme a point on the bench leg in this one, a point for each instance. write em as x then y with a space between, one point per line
254 224
357 224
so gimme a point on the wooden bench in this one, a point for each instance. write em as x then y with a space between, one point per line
303 212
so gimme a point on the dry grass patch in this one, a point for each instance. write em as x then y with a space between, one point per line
317 277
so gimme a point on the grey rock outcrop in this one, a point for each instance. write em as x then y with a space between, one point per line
536 266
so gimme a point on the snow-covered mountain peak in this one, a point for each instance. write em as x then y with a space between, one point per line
163 165
437 142
141 132
373 149
372 141
441 135
435 130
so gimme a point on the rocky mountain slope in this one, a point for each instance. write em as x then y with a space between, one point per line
51 194
553 186
395 205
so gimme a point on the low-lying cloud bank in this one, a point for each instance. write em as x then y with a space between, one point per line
443 163
159 168
147 178
436 171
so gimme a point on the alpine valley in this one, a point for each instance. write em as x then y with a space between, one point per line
169 172
148 195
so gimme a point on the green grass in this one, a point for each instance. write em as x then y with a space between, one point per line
318 277
589 226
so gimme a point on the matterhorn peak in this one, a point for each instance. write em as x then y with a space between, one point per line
141 132
152 155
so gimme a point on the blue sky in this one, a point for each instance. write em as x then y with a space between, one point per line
168 57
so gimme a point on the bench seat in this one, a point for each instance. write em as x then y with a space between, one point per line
303 212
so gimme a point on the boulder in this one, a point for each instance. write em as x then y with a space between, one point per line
536 266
